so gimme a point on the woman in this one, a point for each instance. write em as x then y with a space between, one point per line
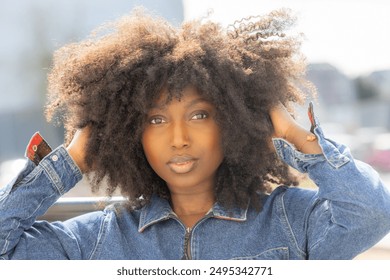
192 124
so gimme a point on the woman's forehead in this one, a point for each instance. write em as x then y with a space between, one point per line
166 96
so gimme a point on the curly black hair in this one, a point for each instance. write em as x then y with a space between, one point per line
110 80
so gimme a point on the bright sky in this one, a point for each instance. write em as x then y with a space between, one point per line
353 35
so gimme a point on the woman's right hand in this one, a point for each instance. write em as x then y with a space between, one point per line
76 148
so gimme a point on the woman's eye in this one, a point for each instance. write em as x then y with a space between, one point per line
157 120
199 116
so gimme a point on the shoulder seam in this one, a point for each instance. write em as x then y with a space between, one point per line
289 226
101 234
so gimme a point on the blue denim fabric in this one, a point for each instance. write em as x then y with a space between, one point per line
349 213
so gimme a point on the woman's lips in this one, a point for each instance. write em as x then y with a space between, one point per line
182 164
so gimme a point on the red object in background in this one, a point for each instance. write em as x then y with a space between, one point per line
380 159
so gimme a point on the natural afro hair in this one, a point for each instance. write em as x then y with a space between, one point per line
110 80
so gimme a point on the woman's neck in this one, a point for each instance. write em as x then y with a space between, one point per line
191 207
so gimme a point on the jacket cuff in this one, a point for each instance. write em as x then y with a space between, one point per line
61 169
333 153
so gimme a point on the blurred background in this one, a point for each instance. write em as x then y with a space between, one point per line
347 45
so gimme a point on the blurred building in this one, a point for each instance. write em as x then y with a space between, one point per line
336 94
352 102
374 90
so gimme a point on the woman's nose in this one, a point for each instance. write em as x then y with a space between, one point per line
180 136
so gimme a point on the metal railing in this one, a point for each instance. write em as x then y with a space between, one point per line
69 207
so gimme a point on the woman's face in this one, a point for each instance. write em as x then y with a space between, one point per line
182 142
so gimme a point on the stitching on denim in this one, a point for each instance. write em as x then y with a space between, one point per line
320 240
101 234
53 177
337 163
4 194
70 161
332 217
156 220
290 228
37 208
7 242
19 222
142 218
325 233
313 201
308 157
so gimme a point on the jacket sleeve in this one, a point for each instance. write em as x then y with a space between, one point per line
29 196
351 209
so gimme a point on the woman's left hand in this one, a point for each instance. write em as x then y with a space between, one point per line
282 121
287 128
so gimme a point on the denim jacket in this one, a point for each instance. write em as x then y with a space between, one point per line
348 214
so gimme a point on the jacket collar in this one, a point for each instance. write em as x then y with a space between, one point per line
159 210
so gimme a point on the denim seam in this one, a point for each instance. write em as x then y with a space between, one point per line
101 234
36 209
169 214
307 213
319 240
333 157
324 233
7 242
290 228
71 233
62 150
152 222
5 191
52 175
332 218
18 222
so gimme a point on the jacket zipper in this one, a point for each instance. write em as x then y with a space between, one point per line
187 244
187 238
